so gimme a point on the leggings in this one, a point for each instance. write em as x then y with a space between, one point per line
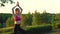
18 28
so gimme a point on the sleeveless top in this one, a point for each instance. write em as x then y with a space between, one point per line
17 18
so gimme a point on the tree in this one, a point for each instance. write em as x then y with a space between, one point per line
5 1
26 19
56 20
29 19
3 18
34 18
9 22
23 19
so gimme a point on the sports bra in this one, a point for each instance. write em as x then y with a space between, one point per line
17 18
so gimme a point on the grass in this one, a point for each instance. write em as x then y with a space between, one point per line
7 33
29 29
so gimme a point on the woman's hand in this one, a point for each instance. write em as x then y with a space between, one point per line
17 4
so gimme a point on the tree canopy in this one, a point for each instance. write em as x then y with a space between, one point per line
2 2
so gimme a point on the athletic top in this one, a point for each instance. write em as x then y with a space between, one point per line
17 18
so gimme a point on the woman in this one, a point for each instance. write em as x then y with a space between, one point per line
17 18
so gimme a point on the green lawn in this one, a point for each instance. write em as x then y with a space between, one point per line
9 30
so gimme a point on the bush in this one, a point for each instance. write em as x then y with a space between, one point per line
39 30
58 26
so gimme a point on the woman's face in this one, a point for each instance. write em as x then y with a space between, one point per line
17 12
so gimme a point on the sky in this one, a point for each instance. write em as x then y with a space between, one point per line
51 6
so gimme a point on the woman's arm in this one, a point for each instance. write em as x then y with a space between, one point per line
19 6
13 10
20 9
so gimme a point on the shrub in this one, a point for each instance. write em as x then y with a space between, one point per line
39 30
58 26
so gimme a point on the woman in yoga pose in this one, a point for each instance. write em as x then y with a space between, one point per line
17 18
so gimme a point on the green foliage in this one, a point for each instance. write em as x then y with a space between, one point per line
5 1
39 29
26 19
9 22
35 18
30 29
3 18
55 21
44 18
32 19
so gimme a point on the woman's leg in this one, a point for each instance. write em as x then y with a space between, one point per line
22 30
15 29
18 29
